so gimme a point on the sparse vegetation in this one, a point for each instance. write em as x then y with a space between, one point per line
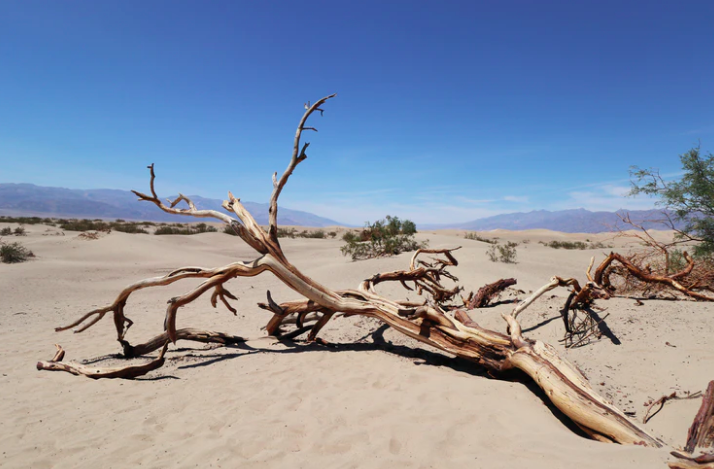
181 229
7 231
382 238
574 245
13 253
27 220
83 225
128 227
476 237
291 233
505 253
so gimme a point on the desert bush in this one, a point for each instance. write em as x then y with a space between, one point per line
505 253
228 229
180 229
574 245
128 227
287 233
7 231
26 220
84 225
171 230
20 231
317 234
12 253
476 237
332 234
382 238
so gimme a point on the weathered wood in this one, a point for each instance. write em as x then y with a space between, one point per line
487 293
125 372
196 335
701 433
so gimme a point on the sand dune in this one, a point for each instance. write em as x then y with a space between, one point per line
376 399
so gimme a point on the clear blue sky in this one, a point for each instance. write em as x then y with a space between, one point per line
446 111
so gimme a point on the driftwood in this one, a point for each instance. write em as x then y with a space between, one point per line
431 322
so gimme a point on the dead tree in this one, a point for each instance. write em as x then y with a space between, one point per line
488 292
450 331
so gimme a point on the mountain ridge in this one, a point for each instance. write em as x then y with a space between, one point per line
577 220
33 200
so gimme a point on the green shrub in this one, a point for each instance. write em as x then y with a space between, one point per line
475 236
7 231
228 229
382 238
20 231
12 253
579 245
318 234
287 233
503 253
26 220
677 262
180 229
84 225
128 227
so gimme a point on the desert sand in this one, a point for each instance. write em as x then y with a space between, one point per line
374 399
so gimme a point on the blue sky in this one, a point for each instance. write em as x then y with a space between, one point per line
446 111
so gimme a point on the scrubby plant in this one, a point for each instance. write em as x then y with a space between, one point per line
128 227
476 237
7 231
382 238
574 245
317 234
13 253
84 225
180 229
287 233
505 253
20 231
26 220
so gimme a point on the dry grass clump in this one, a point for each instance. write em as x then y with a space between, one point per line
505 253
181 229
575 245
13 253
476 237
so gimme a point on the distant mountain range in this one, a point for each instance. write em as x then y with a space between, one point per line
32 200
567 221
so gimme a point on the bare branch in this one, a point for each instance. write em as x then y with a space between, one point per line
191 211
298 156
